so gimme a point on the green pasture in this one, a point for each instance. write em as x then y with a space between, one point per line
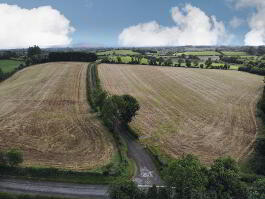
9 65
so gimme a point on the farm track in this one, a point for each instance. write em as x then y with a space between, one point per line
44 112
209 113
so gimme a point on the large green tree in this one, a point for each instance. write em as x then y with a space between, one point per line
34 50
187 176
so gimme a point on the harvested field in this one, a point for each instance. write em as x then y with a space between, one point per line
44 112
209 113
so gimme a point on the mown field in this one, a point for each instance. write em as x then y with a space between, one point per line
44 112
9 65
209 113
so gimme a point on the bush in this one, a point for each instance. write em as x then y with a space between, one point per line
14 157
125 190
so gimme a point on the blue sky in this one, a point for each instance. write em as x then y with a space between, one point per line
100 22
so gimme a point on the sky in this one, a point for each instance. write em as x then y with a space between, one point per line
131 23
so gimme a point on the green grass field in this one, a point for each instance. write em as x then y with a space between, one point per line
9 65
200 53
234 53
118 52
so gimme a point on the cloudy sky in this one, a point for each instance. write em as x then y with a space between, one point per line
130 23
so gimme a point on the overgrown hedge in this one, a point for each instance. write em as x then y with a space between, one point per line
258 160
93 85
254 70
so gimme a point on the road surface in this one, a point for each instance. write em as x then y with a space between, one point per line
147 173
53 189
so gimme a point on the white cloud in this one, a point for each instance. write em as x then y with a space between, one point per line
193 27
236 22
256 35
43 26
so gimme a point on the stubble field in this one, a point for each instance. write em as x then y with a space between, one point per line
209 113
44 112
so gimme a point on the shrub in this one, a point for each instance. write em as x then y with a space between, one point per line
14 157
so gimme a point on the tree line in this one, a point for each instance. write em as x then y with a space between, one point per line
187 178
189 61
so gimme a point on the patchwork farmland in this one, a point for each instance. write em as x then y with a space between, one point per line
209 113
44 112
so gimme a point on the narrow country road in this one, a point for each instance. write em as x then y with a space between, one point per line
147 174
54 189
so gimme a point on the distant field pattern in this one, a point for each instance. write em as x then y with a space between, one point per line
209 113
44 112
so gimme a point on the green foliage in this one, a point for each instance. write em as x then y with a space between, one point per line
14 157
188 63
109 113
201 65
152 193
35 50
119 110
257 190
187 175
125 190
72 56
168 62
260 146
119 59
8 66
225 180
99 97
208 63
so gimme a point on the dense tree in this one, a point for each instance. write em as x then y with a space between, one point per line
119 60
129 108
152 60
119 110
188 63
99 97
224 179
168 62
180 61
196 63
1 75
125 190
152 193
208 63
188 177
257 190
35 50
72 56
160 61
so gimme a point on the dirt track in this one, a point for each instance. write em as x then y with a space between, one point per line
44 112
209 113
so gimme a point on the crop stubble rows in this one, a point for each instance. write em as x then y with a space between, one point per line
44 112
209 113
